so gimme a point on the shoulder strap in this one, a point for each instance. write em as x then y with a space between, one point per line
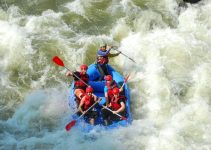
101 72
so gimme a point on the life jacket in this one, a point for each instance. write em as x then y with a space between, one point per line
78 83
110 88
89 101
114 102
102 57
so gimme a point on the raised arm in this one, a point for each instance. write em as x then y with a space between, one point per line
69 73
113 55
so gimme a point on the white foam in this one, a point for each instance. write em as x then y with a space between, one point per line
170 81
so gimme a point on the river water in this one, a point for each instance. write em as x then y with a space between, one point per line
170 81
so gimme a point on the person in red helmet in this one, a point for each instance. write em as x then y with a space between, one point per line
110 84
79 85
102 60
117 105
86 102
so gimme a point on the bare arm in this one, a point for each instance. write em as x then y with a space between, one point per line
122 108
106 97
113 55
69 73
95 97
81 104
121 89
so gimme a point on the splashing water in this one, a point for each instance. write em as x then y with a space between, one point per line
170 83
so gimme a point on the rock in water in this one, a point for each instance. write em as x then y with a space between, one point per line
191 1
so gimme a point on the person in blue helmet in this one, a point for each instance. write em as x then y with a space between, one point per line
102 60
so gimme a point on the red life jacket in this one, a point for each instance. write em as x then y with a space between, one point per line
114 102
79 83
110 88
89 101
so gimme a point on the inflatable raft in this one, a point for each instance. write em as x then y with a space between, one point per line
98 87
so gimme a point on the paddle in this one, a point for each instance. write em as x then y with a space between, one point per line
72 123
125 80
59 62
76 112
122 117
115 48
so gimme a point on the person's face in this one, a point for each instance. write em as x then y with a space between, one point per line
83 71
109 82
89 93
116 95
103 48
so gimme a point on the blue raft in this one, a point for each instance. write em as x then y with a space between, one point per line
98 87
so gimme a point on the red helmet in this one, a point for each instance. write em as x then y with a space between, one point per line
108 78
115 91
84 66
89 89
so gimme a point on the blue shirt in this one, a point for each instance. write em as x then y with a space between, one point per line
105 89
102 53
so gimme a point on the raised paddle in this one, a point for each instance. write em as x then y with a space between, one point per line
125 80
116 49
122 117
72 123
59 62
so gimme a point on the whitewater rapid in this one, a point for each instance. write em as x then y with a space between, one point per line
170 83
